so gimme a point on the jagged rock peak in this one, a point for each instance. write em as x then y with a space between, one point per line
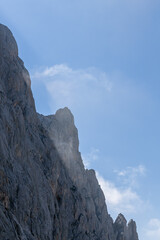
125 231
64 134
120 220
14 78
8 45
65 115
132 230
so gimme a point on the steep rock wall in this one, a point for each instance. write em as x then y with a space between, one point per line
45 192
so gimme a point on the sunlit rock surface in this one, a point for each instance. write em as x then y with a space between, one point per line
45 192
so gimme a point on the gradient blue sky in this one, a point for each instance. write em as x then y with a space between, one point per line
101 59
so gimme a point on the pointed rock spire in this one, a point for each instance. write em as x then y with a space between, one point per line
123 230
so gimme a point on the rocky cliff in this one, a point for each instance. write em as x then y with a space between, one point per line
45 192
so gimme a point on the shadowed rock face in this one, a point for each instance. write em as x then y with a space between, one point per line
45 192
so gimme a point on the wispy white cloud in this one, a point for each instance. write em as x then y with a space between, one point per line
140 170
153 229
88 158
130 175
90 91
120 199
74 88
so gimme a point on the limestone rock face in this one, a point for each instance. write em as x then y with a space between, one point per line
45 192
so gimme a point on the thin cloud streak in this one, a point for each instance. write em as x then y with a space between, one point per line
119 199
131 175
90 157
74 88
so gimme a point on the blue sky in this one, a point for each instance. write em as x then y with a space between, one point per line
101 59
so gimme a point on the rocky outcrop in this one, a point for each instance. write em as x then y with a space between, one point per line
123 230
132 230
45 192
